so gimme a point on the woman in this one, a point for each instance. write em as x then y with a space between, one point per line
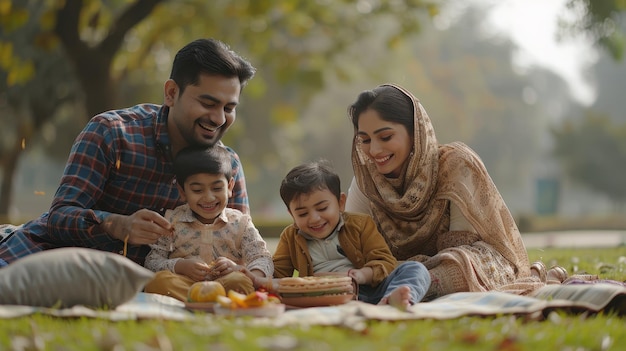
433 203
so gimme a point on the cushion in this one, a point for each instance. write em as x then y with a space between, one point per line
71 276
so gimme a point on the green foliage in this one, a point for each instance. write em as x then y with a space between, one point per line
20 25
294 40
19 71
593 152
610 78
601 21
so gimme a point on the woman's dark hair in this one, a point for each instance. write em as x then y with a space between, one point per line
208 56
308 177
392 104
194 160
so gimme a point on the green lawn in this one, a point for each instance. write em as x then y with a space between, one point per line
560 331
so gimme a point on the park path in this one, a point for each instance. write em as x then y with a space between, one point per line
539 240
576 239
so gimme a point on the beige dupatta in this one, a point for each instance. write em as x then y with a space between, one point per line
413 211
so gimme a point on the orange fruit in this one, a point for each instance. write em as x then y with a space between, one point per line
238 298
256 299
205 291
225 302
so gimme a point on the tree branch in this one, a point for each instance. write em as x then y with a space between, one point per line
134 14
66 28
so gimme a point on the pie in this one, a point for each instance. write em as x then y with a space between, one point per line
315 286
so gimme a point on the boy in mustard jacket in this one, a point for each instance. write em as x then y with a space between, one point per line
324 238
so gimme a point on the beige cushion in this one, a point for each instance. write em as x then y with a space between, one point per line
72 276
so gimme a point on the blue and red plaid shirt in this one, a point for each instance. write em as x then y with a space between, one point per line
120 163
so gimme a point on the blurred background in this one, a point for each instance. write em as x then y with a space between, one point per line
536 87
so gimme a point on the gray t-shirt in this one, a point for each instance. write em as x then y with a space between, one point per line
326 254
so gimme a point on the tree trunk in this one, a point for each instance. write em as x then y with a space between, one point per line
9 168
93 63
98 87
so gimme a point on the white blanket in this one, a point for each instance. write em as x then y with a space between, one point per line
574 298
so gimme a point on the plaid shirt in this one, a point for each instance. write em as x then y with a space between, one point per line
120 163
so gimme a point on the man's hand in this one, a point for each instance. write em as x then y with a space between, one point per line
142 227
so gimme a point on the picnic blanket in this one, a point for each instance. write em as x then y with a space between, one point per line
574 298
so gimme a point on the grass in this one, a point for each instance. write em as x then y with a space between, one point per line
559 331
608 263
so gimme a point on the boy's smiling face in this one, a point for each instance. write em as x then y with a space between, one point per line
207 195
317 213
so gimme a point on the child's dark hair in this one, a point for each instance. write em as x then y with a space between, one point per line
308 177
193 160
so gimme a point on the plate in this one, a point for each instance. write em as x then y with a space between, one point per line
317 301
200 306
271 310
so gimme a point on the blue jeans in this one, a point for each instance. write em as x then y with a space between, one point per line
410 273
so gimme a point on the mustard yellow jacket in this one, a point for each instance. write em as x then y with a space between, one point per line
359 238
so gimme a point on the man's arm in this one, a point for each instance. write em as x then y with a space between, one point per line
72 219
76 217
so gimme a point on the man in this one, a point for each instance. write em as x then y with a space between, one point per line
118 180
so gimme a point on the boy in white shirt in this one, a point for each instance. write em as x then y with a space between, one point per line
210 241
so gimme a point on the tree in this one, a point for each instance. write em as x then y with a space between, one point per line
35 81
593 152
609 78
109 42
92 59
37 78
599 19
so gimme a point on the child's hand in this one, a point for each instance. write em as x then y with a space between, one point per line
361 276
223 266
268 284
194 269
